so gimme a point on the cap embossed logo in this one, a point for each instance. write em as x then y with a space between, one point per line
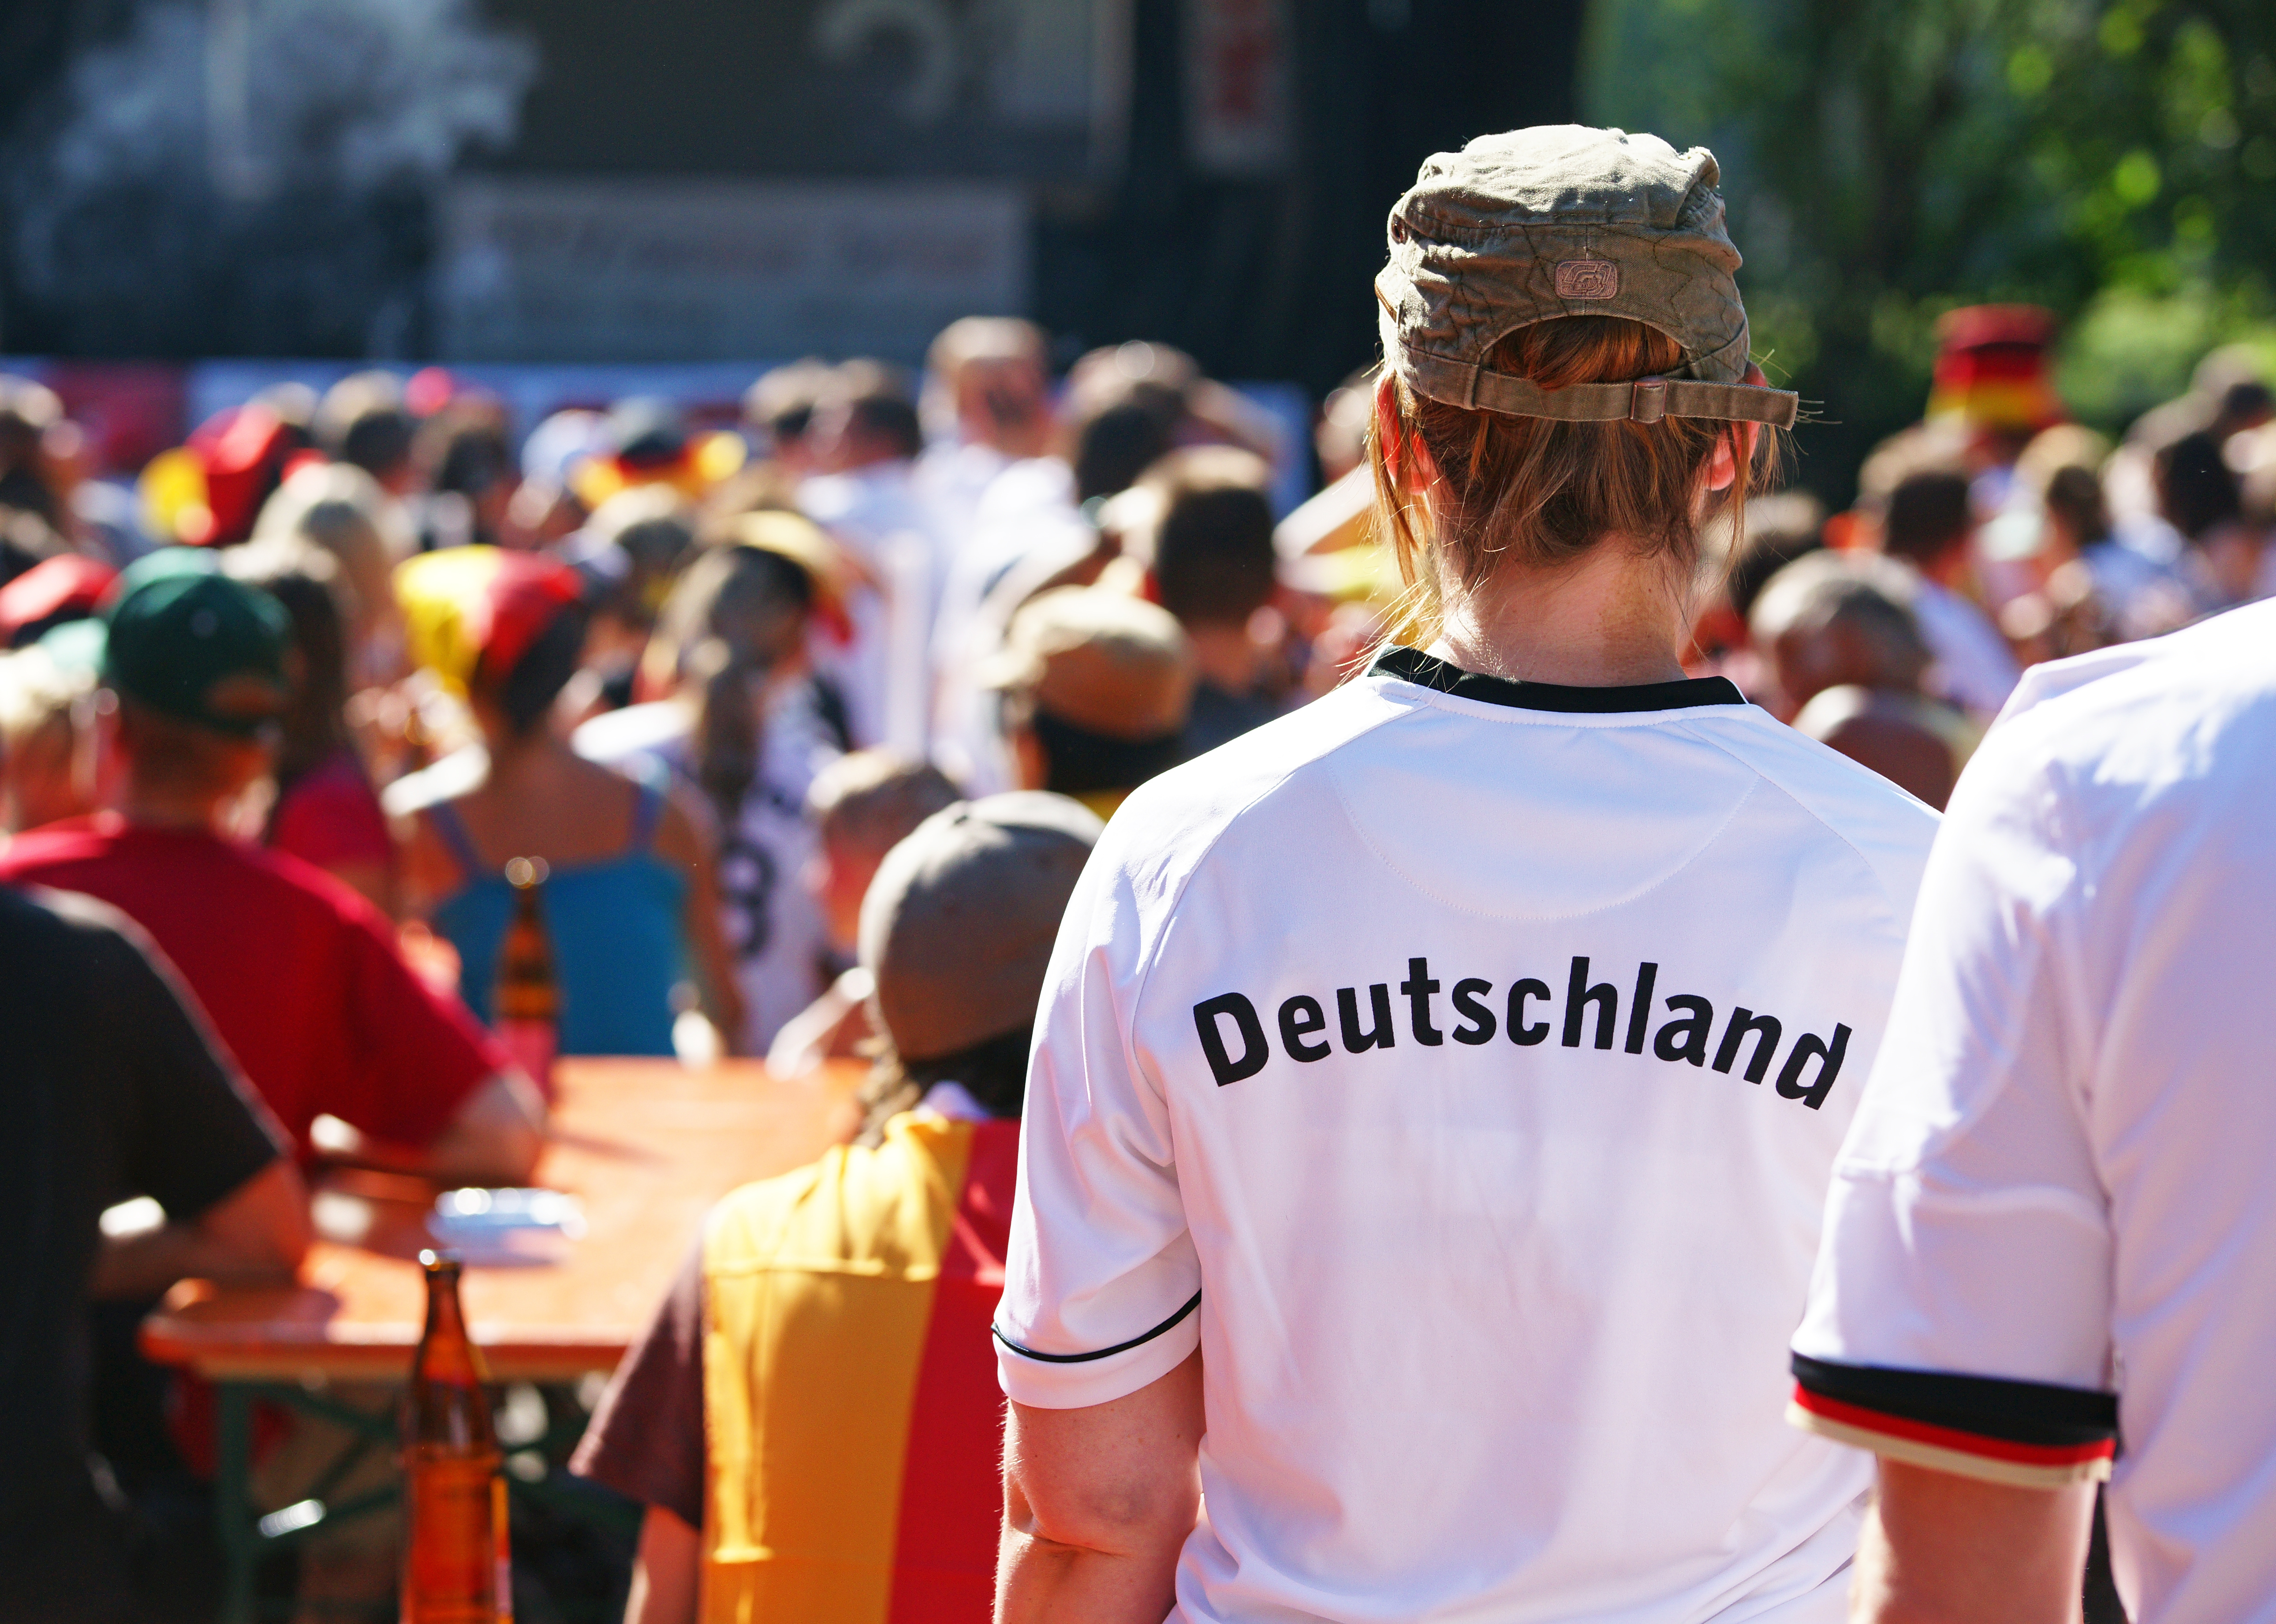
1588 279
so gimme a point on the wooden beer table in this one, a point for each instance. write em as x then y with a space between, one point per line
645 1145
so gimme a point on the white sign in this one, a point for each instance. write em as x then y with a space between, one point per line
538 268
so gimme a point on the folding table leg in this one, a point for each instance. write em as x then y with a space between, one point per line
233 1508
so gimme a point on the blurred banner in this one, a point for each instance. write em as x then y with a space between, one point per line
1029 89
532 267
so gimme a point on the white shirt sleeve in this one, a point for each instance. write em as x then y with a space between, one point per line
1102 1289
1960 1310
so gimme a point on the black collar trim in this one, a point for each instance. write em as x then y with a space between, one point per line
1426 671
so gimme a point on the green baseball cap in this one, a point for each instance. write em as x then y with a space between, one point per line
1563 220
191 643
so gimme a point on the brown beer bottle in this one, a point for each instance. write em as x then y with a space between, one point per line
526 1001
455 1563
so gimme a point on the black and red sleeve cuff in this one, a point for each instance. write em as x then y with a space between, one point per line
2031 1434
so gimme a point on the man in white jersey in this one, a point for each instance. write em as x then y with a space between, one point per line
2052 1221
1438 1088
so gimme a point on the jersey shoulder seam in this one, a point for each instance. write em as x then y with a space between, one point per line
1151 956
1880 880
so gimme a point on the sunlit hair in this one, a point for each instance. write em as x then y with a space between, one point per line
1538 492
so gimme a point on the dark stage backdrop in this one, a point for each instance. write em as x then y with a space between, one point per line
688 179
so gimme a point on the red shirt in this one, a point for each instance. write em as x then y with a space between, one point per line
330 818
300 976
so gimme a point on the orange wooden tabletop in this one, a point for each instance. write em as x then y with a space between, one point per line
646 1146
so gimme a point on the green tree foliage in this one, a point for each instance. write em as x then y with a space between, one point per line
1887 159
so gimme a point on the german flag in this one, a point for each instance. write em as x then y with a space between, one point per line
854 1422
1992 369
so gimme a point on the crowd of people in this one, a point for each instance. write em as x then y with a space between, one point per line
790 739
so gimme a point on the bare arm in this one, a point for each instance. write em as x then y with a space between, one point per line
255 1235
665 1572
685 838
1098 1502
495 1138
1938 1548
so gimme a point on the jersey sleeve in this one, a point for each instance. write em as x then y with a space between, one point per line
646 1439
1101 1288
1959 1314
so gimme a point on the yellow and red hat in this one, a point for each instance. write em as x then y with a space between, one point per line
1991 370
465 608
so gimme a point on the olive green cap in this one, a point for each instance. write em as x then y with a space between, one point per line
191 643
1563 220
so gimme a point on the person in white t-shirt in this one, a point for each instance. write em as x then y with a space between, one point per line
1437 1089
866 436
2052 1222
986 404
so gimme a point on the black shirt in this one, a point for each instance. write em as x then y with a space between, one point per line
110 1087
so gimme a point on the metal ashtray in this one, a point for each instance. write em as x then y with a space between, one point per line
508 1225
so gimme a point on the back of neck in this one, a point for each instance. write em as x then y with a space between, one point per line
1610 619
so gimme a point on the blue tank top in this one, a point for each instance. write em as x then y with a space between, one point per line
618 944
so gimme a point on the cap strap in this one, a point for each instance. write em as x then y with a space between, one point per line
1645 400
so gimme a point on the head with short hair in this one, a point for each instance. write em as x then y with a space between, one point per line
866 416
781 404
988 376
362 421
862 805
463 455
1566 352
1121 432
957 931
652 529
2197 491
1832 618
1928 518
1213 560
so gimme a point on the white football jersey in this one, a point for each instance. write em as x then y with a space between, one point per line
1459 1063
2053 1221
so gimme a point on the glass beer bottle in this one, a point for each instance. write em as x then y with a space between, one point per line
456 1568
526 1002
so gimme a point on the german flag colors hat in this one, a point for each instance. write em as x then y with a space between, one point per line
466 608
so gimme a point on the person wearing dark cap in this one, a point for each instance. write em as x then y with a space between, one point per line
809 1419
1435 1092
302 977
